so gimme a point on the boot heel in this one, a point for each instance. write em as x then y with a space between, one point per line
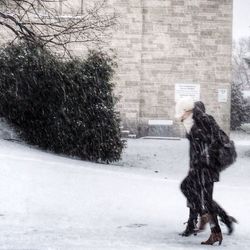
214 238
233 219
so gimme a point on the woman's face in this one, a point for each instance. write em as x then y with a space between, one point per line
185 115
183 108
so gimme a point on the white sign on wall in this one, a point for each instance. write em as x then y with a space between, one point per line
160 122
187 90
222 95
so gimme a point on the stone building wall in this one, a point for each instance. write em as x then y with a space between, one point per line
161 43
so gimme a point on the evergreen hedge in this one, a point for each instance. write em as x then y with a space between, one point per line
63 106
239 107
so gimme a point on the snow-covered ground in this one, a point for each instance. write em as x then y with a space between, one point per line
53 202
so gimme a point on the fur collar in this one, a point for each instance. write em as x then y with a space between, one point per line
188 123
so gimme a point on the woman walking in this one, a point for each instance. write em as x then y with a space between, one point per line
203 135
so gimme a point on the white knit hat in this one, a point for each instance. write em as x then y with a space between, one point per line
182 105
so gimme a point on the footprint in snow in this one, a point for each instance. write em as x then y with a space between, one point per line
136 225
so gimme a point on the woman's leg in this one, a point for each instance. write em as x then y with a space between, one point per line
209 206
189 189
225 218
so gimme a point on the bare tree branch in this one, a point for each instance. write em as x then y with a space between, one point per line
40 21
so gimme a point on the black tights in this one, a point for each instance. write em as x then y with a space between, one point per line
199 194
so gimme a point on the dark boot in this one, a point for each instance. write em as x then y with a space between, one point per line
191 224
190 229
213 238
228 221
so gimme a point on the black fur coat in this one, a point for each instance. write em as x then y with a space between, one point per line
204 144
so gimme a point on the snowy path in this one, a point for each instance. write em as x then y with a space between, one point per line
51 202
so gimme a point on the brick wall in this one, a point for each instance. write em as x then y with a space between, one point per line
161 43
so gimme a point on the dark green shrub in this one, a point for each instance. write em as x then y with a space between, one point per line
65 107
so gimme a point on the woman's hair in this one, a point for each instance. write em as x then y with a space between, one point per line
200 106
